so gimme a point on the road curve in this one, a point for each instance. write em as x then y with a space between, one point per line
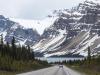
55 70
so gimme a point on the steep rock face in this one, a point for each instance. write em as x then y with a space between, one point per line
82 29
11 29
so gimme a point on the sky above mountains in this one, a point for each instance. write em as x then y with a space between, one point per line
33 9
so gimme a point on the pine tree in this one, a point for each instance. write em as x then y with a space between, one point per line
89 55
13 48
1 45
19 49
13 42
1 39
33 56
8 49
30 53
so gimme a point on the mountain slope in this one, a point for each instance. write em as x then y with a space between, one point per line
10 29
67 31
82 29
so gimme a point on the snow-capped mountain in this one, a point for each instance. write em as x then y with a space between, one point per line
73 31
38 25
67 31
10 29
26 32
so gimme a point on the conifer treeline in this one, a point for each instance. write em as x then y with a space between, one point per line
18 58
90 64
16 52
14 57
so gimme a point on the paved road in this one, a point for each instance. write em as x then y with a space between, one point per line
55 70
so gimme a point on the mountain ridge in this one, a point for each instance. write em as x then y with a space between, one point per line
11 29
70 31
79 22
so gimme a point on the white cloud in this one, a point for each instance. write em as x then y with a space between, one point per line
30 9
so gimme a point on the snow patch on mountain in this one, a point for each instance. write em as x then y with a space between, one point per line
94 1
51 43
88 43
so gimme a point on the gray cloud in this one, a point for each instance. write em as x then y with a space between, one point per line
33 9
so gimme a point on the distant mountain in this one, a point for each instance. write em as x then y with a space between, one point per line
64 32
38 25
23 36
73 31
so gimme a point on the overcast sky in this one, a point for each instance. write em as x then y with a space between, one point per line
33 9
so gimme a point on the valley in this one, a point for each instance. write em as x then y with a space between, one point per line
64 42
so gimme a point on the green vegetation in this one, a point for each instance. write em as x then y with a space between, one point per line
16 59
7 73
90 65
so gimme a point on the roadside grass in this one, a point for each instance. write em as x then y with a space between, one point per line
90 66
25 67
85 70
7 73
18 72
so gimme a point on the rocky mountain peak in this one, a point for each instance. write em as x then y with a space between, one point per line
11 29
82 29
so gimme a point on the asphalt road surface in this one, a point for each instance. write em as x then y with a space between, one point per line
55 70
